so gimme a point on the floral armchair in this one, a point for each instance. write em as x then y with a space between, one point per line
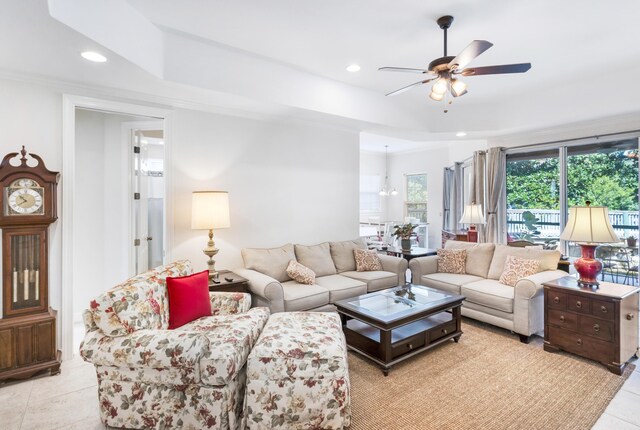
152 377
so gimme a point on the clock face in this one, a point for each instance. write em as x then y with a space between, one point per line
24 197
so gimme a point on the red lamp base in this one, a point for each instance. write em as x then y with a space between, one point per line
472 234
587 266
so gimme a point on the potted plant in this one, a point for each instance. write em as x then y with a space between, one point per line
631 241
404 232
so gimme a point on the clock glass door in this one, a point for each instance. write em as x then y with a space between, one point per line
23 272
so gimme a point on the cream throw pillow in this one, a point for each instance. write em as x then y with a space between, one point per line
516 268
366 261
301 274
452 260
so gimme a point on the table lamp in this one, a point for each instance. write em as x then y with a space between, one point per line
589 226
472 215
209 210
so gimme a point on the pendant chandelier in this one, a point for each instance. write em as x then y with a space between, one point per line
386 191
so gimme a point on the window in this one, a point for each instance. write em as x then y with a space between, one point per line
542 185
369 193
415 205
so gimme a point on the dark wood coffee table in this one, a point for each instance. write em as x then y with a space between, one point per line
389 326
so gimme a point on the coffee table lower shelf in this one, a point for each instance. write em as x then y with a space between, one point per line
389 347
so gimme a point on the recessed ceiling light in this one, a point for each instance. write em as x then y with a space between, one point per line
353 68
461 134
94 56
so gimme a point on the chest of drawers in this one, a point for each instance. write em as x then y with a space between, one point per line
600 324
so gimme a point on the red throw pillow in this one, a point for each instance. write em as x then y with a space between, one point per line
188 298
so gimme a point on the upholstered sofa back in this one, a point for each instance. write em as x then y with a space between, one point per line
138 303
487 259
327 258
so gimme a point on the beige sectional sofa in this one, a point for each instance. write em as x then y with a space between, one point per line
518 308
336 276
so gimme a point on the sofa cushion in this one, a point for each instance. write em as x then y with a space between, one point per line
342 254
548 259
366 260
300 297
270 261
490 293
317 258
452 260
300 273
479 256
341 287
450 282
516 268
138 303
376 280
188 298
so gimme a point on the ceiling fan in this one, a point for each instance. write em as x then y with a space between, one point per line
444 70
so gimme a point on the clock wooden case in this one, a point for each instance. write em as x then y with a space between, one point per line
27 208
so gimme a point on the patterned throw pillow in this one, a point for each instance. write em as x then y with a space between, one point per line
366 261
301 274
516 268
452 261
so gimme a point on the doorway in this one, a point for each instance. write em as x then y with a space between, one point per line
113 199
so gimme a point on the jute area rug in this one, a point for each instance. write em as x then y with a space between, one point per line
489 380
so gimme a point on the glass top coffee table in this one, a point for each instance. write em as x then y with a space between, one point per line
391 325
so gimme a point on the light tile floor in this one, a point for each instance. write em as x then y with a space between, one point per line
70 401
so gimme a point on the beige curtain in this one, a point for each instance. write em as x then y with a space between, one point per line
457 205
447 197
495 208
478 187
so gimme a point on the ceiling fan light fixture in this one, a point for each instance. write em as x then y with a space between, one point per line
435 96
440 87
458 88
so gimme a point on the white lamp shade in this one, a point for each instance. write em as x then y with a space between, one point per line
589 224
472 215
210 209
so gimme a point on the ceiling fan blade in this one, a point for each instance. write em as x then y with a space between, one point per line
496 70
472 50
403 69
403 89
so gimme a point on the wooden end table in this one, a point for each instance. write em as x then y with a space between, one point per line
238 284
599 324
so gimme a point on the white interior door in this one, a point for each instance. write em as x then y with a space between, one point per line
148 199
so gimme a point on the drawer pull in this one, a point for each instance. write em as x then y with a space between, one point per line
579 342
556 299
603 309
445 331
410 346
629 317
562 318
578 304
596 327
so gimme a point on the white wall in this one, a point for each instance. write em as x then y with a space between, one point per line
373 163
431 161
287 182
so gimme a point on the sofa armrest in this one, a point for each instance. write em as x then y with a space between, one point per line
531 286
423 266
396 265
266 290
157 349
528 302
223 303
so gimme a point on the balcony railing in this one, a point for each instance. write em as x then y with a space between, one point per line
625 223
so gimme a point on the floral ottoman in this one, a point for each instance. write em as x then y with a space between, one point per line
297 374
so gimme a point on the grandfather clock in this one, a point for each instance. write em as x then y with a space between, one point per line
28 324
